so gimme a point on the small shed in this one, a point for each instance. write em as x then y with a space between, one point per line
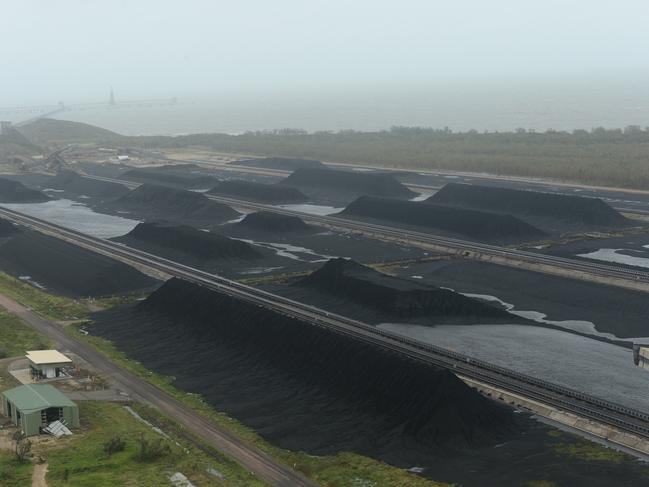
46 364
32 407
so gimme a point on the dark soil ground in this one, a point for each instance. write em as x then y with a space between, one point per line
68 269
8 229
304 388
559 298
477 225
330 185
75 185
15 192
281 163
267 221
265 193
185 176
357 291
151 202
550 211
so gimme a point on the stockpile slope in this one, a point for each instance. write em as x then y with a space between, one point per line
359 183
16 192
282 163
591 211
301 385
67 268
475 224
267 221
7 229
176 175
162 203
168 240
266 193
72 182
46 131
396 298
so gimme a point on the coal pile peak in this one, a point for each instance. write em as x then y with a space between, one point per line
480 225
266 193
202 245
281 163
591 211
359 183
163 203
268 221
396 297
16 192
72 182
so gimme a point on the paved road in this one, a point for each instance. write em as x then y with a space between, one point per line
258 462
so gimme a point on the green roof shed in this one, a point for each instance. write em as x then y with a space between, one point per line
34 406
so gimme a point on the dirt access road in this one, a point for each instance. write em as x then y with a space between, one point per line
258 462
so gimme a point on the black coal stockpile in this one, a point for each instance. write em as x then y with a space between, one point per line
471 223
393 296
266 193
179 175
162 203
592 211
299 385
16 192
282 163
7 229
67 268
267 221
71 182
360 183
187 240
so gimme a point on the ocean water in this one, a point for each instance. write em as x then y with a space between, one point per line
542 104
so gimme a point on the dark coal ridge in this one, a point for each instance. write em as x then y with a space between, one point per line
359 183
591 211
301 386
266 193
282 163
69 269
163 203
162 238
15 192
8 229
471 223
397 298
175 176
267 221
74 183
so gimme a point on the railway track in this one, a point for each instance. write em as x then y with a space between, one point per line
554 395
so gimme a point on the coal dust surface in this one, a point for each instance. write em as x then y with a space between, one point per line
68 269
12 191
265 193
478 225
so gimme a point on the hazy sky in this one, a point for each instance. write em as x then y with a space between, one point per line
73 50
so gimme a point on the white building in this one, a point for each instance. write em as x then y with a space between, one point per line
46 364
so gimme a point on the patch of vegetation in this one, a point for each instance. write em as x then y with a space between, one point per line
591 452
582 156
328 470
81 460
16 337
541 483
47 305
14 473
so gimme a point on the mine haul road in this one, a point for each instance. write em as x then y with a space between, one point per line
258 462
622 418
549 264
